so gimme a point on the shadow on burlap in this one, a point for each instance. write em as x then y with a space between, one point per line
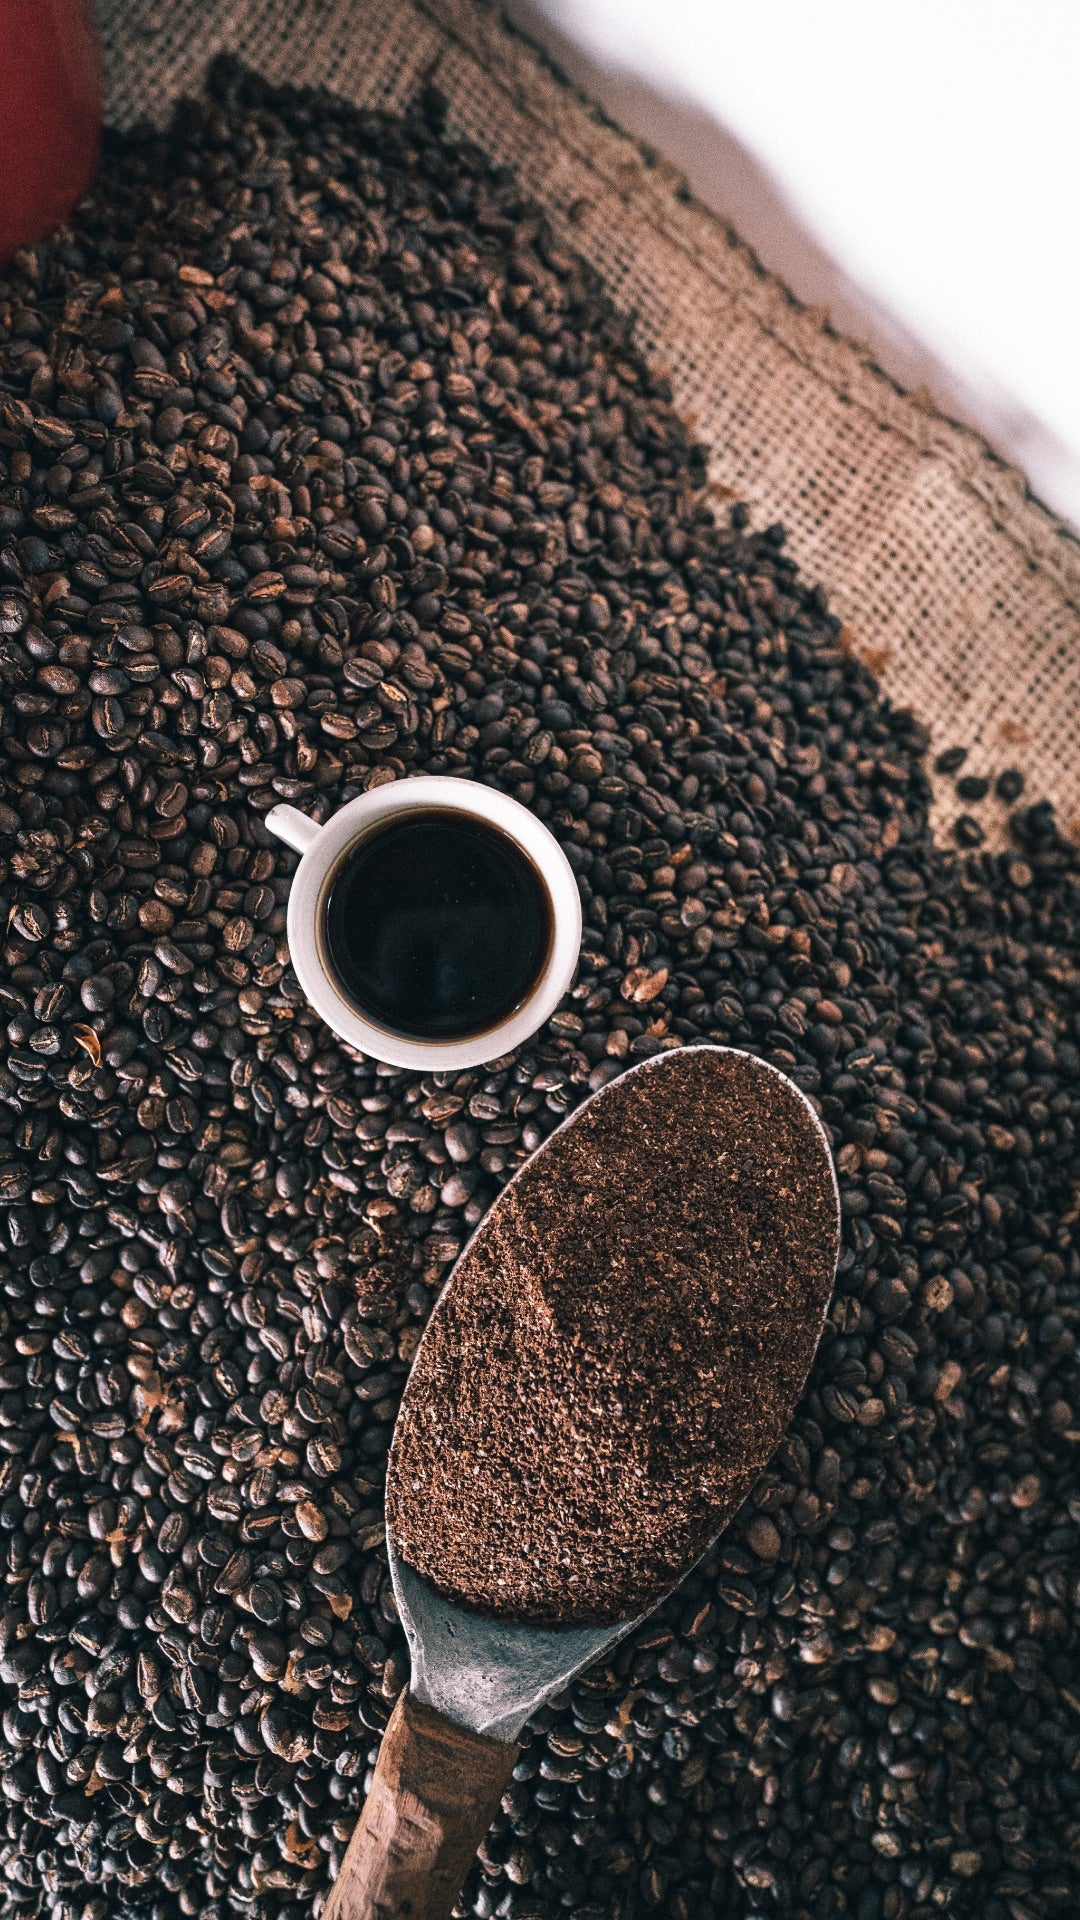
956 587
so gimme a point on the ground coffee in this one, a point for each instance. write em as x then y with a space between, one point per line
621 1347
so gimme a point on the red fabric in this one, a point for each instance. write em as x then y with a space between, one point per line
50 115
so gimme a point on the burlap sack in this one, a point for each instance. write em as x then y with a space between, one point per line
957 587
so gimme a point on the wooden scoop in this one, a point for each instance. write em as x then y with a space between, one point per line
451 1742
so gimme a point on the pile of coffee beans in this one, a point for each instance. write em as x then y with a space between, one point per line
320 464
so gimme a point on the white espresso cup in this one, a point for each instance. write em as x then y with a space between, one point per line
324 848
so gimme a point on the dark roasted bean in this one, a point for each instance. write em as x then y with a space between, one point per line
968 831
1009 785
972 786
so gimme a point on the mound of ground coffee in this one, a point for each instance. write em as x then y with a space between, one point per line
621 1347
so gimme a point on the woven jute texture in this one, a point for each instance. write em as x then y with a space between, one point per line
955 586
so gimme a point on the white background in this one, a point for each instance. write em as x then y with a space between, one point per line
913 170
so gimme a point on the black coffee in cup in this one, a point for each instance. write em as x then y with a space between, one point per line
436 925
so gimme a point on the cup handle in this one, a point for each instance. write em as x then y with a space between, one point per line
293 827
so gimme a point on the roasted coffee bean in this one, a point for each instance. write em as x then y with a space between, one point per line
347 473
972 786
967 830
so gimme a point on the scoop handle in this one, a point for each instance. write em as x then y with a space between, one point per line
435 1791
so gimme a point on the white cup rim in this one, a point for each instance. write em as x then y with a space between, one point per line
326 845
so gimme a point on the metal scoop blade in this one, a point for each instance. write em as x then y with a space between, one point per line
483 1673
